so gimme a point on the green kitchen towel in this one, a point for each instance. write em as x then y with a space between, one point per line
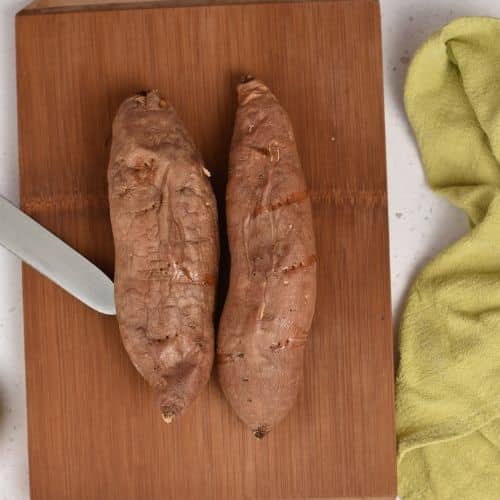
448 383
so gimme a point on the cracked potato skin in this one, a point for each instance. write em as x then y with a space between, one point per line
272 292
164 220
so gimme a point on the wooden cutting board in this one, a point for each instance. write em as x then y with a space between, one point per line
94 429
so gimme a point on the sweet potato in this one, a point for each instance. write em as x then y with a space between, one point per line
272 291
164 220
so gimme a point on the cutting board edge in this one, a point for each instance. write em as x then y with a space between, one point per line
43 7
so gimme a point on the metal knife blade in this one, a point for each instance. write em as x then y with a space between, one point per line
56 260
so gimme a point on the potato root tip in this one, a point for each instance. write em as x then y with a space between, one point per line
246 78
167 417
260 432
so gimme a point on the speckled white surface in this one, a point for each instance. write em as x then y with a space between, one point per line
420 223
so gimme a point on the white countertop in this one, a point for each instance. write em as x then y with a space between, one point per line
420 223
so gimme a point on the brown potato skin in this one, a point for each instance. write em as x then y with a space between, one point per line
164 220
272 292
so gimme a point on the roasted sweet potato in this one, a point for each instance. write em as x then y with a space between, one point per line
272 292
164 219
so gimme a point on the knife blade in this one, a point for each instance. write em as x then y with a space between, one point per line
56 260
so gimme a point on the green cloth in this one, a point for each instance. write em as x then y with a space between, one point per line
448 383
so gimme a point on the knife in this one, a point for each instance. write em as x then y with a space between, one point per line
56 260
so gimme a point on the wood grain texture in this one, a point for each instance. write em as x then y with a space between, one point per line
94 429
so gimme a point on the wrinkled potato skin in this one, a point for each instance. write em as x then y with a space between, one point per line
164 220
272 292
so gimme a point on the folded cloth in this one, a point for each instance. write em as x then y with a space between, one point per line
448 383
